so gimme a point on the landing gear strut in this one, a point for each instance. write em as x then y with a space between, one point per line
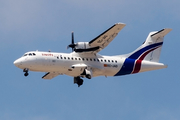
78 81
87 73
26 72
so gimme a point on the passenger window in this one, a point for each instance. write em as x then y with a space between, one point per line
101 60
79 58
90 59
64 57
87 59
112 61
83 59
72 58
104 60
61 57
108 60
68 58
116 61
98 60
75 58
94 59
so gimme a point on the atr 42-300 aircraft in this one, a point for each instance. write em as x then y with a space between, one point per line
84 60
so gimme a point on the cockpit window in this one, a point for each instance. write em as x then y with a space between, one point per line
29 54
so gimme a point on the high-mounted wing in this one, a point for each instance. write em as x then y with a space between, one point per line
50 75
101 41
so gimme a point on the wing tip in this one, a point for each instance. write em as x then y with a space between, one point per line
119 23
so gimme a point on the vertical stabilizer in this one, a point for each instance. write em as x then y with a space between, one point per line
151 48
146 57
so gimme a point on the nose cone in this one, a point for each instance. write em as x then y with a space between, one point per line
17 62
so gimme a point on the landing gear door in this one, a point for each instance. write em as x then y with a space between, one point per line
77 69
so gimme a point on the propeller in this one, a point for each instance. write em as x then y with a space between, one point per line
72 45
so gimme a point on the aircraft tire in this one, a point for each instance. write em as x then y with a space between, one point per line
80 82
26 74
88 76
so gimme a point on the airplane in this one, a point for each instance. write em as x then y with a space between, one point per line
85 62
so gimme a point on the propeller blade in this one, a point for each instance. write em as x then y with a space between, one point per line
72 45
72 38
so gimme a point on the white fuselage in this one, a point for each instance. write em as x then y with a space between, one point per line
62 63
73 64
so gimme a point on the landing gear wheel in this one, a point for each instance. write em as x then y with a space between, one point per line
80 82
26 74
88 76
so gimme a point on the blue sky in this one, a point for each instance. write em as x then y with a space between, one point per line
46 25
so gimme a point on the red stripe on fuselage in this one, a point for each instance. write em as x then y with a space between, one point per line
139 61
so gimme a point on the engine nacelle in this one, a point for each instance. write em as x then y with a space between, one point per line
84 47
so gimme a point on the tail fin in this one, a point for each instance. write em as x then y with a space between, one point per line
151 48
146 57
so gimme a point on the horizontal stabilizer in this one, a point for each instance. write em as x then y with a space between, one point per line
161 33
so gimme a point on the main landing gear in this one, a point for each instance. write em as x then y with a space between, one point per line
78 81
86 73
26 72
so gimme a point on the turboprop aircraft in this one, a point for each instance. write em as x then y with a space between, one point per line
85 62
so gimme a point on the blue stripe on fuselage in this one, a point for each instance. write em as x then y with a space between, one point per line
128 65
141 51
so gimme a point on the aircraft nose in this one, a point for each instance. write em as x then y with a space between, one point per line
17 62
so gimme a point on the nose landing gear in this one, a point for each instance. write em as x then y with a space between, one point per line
26 72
